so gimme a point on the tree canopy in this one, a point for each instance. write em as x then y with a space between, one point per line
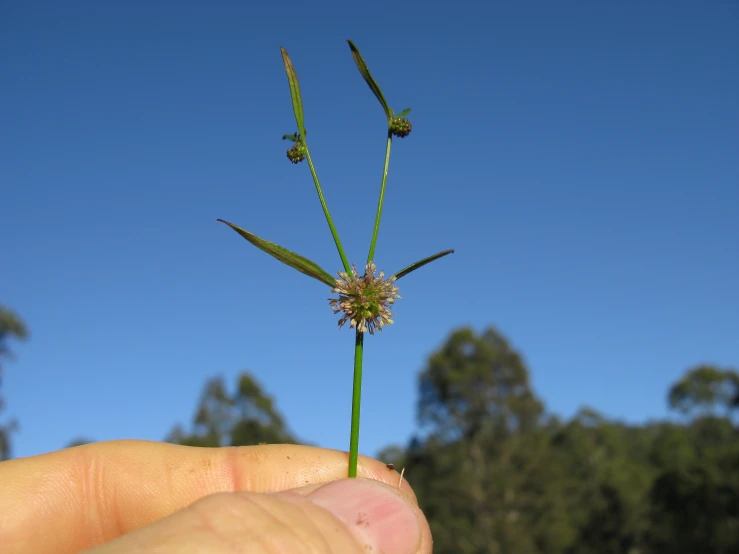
495 474
706 390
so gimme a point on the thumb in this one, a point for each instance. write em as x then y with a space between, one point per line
341 517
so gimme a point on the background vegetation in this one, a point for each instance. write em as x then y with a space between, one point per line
496 474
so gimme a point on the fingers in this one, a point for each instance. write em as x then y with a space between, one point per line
350 516
77 498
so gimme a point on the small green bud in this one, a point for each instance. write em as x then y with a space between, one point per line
400 127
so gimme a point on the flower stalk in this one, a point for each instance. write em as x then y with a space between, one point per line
326 213
378 215
356 403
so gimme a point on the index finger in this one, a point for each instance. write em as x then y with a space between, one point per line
77 498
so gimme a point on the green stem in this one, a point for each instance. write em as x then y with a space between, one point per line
356 399
389 145
330 222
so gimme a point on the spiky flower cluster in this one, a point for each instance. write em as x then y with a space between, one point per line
400 127
365 300
297 153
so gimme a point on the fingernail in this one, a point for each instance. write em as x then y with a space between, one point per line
379 518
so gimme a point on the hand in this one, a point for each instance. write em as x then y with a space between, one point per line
134 496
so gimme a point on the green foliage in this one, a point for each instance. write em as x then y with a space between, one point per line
364 70
244 417
296 261
695 510
477 384
421 263
706 390
11 327
6 430
495 475
295 96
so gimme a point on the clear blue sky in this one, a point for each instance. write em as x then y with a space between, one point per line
582 158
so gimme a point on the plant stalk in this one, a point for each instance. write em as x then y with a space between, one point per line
376 231
356 400
330 222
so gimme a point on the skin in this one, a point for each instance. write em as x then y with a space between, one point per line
136 496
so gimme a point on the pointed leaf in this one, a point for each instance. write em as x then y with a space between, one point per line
296 261
292 79
364 70
421 263
293 137
404 113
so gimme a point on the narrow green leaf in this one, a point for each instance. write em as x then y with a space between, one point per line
293 137
296 261
404 113
421 263
292 79
364 70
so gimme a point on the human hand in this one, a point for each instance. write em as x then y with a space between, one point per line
136 496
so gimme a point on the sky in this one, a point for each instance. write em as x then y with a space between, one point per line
582 158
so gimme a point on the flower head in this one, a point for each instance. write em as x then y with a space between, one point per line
297 153
400 127
365 300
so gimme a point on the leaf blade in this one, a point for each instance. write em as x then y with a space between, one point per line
296 261
414 266
364 70
297 99
404 113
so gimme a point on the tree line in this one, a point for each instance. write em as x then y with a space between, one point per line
496 473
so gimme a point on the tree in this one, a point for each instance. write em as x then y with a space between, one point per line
706 390
694 500
78 442
477 384
245 417
482 449
11 326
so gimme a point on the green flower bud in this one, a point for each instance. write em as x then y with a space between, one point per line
400 127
